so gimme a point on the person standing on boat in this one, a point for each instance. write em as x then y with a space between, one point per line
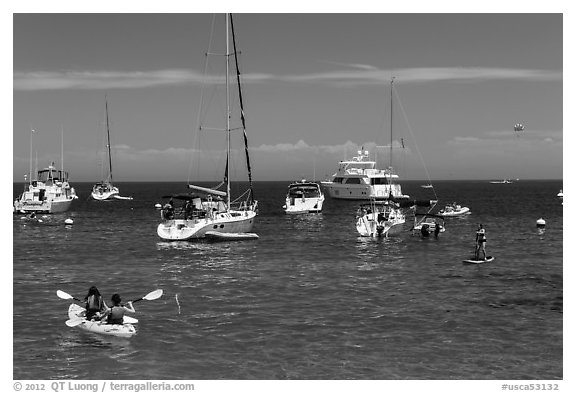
480 241
116 312
95 304
168 210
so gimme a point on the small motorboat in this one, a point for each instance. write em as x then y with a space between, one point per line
453 210
303 197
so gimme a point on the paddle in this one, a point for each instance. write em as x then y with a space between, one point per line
151 296
65 296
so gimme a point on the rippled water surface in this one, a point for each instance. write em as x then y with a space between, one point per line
310 299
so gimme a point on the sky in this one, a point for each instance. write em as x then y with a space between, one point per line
316 90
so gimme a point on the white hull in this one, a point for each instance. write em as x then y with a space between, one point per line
457 212
379 221
125 330
196 228
360 192
367 226
102 196
299 206
53 206
47 195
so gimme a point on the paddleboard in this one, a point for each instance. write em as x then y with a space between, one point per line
230 236
476 261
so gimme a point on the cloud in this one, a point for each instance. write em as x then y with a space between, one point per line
458 140
283 147
355 75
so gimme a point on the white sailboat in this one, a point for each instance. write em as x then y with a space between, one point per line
209 212
105 189
381 218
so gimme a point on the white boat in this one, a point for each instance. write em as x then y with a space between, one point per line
505 181
105 189
210 209
560 194
430 224
427 185
379 219
454 210
304 197
386 217
77 319
359 179
49 193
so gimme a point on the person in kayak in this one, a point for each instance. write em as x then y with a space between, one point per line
95 304
116 312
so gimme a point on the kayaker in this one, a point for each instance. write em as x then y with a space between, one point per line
116 312
95 304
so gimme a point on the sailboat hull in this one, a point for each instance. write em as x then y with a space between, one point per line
369 228
223 222
102 196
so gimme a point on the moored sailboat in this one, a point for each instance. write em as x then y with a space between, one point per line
105 190
381 218
210 209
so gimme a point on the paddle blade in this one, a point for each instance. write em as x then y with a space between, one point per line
151 296
63 295
154 295
74 322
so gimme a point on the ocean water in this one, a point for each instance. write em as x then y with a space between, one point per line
308 300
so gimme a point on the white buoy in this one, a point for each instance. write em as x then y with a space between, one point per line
158 206
540 223
68 221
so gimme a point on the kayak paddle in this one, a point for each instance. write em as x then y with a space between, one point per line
151 296
65 296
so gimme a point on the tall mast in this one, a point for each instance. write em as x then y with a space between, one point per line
242 116
391 112
108 145
62 152
31 133
227 114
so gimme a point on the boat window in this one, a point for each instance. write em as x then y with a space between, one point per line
378 180
337 180
353 180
